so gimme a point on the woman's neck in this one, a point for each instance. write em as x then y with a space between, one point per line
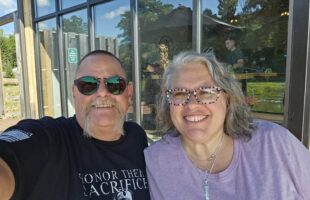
217 152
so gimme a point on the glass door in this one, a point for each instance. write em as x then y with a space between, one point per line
75 46
250 38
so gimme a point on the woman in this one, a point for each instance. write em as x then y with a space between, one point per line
212 149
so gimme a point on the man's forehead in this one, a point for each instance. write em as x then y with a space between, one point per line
100 63
99 58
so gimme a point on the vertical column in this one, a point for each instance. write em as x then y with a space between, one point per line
30 68
1 90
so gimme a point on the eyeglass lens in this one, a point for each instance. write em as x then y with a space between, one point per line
88 85
204 95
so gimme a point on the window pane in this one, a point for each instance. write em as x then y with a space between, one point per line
11 99
113 33
49 66
44 7
7 7
251 38
70 3
166 29
76 45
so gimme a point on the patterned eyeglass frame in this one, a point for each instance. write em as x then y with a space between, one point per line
194 92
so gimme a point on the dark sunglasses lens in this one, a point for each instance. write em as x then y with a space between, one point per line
87 85
115 85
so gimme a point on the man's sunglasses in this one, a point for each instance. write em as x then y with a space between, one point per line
88 85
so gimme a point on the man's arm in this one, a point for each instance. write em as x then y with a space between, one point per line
7 182
239 63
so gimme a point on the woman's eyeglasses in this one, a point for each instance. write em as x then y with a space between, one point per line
203 95
88 85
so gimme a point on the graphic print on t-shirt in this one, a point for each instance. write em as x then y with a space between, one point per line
15 135
119 184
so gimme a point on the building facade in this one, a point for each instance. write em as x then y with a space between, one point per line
272 38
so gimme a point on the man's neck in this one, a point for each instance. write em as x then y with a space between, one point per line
106 134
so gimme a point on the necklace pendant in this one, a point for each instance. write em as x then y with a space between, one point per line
206 189
211 158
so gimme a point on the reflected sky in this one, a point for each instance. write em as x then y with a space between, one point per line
110 13
7 6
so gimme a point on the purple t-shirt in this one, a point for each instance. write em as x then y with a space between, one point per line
273 165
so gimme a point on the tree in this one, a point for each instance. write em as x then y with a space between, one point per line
8 52
227 9
265 23
149 11
208 12
74 24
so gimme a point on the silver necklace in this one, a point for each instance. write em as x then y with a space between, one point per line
213 157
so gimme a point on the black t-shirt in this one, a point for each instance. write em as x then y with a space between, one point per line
52 159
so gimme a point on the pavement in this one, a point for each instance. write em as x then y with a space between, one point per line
5 123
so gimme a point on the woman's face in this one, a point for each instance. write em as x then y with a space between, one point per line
197 122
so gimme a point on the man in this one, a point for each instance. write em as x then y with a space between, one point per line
92 155
234 56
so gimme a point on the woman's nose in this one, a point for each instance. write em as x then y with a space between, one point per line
192 99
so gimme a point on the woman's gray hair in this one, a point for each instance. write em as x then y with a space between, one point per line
238 122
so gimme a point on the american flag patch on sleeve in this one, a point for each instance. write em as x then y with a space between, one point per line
15 135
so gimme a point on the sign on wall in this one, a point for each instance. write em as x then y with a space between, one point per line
72 55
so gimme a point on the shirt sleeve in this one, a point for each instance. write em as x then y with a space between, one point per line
24 147
295 157
153 187
299 157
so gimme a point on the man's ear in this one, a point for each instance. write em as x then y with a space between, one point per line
73 91
129 91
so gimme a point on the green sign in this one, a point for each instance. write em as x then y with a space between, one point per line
72 55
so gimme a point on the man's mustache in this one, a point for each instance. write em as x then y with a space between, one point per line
104 103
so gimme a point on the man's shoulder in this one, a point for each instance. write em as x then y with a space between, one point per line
133 127
62 121
44 125
44 120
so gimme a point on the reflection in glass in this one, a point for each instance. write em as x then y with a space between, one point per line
251 38
11 99
165 30
112 33
44 7
76 45
49 68
8 7
70 3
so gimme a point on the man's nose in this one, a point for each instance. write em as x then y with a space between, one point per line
102 90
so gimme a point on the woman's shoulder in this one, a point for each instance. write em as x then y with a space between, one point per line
163 145
270 129
277 139
272 133
163 154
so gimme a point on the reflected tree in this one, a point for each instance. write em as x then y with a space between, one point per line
266 21
264 24
8 53
74 24
227 9
149 11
